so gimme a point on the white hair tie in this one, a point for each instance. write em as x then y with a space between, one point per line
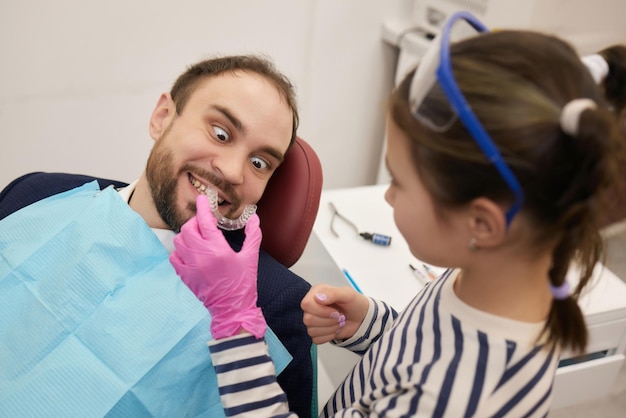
597 66
570 115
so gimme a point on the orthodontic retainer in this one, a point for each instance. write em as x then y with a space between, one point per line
223 222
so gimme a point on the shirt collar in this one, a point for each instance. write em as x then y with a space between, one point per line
166 236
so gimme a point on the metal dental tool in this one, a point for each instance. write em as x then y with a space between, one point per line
378 239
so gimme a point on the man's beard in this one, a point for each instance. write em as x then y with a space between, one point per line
162 180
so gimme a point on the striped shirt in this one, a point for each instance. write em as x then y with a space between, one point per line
439 358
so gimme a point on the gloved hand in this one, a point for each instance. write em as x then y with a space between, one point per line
224 280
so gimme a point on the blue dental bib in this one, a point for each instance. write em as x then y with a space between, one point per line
94 321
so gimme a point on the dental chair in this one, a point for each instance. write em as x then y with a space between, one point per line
287 209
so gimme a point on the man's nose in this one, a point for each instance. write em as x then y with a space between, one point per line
231 165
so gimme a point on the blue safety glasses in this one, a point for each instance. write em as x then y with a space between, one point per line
435 72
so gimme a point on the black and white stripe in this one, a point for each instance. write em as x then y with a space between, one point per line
247 378
434 362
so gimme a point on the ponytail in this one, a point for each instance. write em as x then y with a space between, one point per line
614 87
614 84
592 195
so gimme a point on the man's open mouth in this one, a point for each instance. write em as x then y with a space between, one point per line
202 188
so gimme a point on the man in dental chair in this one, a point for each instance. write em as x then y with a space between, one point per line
93 319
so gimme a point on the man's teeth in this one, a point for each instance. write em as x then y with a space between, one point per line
202 189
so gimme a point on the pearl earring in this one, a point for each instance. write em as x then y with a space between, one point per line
473 244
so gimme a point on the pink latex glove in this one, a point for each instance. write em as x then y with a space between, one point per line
224 280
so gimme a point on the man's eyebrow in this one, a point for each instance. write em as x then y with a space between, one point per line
239 126
274 153
232 118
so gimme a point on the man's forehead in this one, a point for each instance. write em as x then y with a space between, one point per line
233 81
233 88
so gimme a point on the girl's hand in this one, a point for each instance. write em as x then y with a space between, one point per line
333 312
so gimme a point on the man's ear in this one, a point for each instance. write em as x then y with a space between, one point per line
162 115
487 223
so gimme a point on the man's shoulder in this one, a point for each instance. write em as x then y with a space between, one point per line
35 186
277 279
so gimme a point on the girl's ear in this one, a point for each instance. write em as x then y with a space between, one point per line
162 115
487 223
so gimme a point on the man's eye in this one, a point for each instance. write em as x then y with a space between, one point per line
220 134
259 163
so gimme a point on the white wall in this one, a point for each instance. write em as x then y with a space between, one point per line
79 78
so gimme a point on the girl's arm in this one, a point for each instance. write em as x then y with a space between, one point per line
246 378
378 320
345 317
